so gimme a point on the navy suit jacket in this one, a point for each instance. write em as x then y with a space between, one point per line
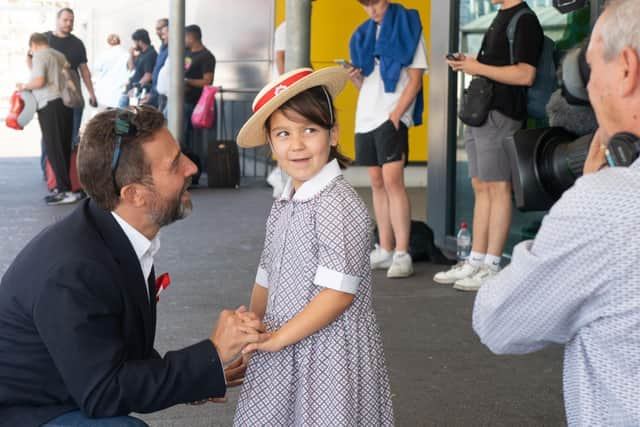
77 330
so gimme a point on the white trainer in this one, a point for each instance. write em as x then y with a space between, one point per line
63 198
460 271
380 258
475 282
402 266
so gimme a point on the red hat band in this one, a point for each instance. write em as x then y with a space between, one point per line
279 87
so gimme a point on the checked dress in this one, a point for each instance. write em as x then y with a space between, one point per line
318 239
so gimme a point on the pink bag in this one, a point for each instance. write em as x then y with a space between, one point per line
203 115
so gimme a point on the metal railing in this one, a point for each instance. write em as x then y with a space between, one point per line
233 108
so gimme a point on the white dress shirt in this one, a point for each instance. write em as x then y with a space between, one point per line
144 248
578 284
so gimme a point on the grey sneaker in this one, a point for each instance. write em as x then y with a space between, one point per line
402 266
63 198
380 258
473 283
460 271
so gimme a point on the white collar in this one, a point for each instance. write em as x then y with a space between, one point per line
141 245
315 185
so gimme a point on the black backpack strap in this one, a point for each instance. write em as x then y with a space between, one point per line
511 31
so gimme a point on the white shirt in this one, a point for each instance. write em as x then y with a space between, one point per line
162 87
279 44
111 75
144 248
578 284
375 105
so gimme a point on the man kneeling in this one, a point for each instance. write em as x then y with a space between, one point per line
78 304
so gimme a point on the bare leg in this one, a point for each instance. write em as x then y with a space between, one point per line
500 216
381 208
481 215
399 207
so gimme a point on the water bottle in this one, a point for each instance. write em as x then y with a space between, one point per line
133 98
463 240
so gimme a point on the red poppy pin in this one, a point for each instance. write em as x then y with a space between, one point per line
162 282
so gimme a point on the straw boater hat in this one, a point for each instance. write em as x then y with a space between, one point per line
279 91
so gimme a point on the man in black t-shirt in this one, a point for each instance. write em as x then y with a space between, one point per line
142 58
489 165
199 68
73 49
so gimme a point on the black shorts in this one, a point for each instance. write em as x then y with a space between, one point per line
382 145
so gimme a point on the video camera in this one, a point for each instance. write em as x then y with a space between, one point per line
546 162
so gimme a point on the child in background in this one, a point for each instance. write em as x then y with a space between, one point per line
323 363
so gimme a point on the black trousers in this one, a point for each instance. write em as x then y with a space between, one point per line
56 124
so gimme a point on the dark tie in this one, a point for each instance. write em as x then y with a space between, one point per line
151 284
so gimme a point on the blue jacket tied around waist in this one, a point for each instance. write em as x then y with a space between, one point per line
395 47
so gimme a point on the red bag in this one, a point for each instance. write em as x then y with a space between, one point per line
203 115
17 105
73 174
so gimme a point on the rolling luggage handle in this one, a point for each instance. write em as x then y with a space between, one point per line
223 166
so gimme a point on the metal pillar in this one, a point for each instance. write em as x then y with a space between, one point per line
298 34
176 64
442 121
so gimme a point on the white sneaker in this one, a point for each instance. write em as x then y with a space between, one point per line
380 258
63 198
460 271
402 266
473 283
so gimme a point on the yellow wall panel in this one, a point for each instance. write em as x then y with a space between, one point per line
332 23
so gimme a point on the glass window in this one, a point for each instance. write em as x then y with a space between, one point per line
475 18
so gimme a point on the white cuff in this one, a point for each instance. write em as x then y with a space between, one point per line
335 280
262 277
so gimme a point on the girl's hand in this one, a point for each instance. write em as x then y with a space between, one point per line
271 345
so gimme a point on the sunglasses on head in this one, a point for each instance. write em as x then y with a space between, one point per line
124 127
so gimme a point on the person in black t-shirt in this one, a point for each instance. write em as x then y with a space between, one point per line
142 58
74 51
199 68
489 165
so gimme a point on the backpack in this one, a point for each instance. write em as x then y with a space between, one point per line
421 245
546 81
71 91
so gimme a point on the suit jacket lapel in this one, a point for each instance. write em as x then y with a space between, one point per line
132 277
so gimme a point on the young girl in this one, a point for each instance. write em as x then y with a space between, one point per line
323 362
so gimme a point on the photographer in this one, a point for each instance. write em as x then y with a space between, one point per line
577 284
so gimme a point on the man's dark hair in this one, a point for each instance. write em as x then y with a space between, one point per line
63 10
194 30
38 39
95 154
165 21
141 35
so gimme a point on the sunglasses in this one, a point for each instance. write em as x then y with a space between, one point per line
124 127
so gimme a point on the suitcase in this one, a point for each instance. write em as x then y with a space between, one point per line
223 164
73 174
223 157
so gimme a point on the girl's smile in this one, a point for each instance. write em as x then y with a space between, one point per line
301 146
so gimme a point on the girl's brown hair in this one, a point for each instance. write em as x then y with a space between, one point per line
316 105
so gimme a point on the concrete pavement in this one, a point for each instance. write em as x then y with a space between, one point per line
440 373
